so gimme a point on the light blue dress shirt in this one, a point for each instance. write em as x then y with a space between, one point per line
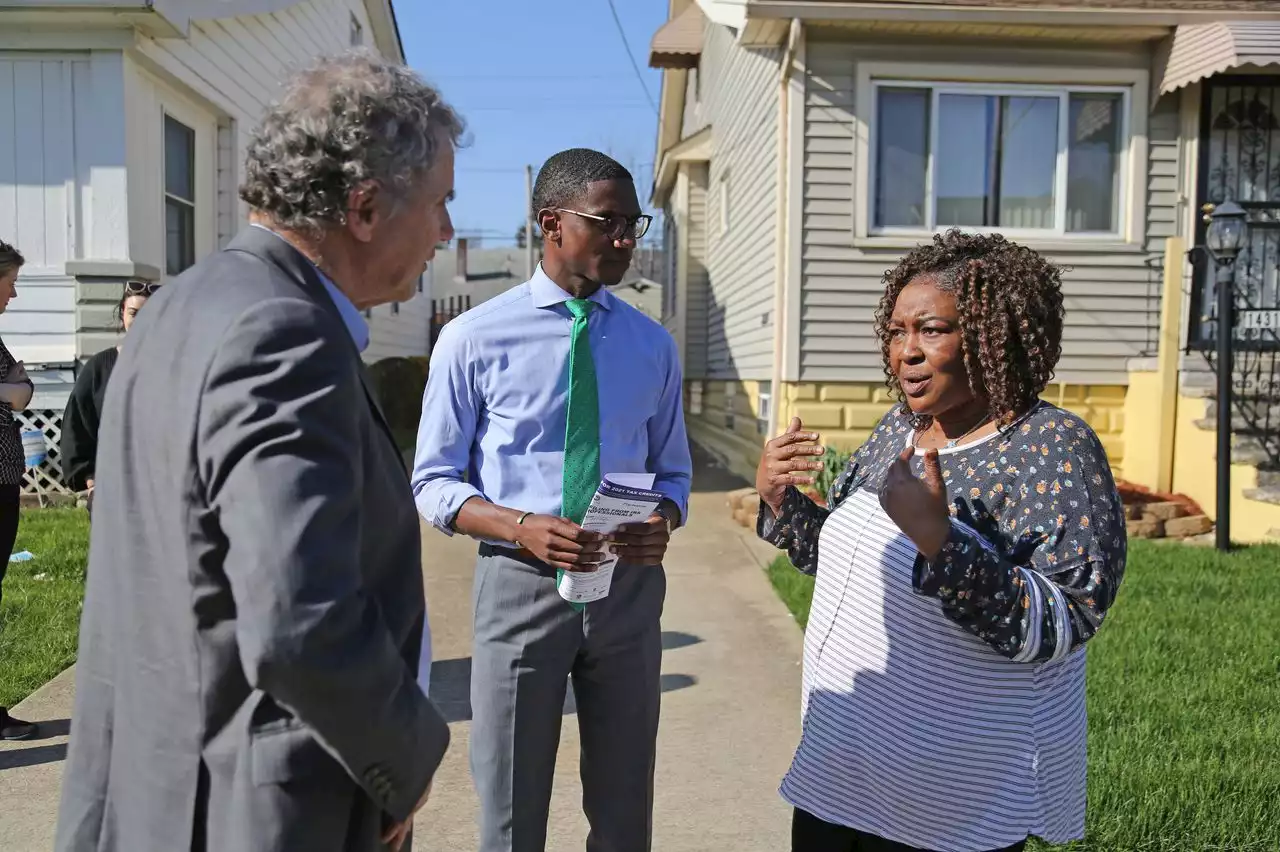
351 316
493 415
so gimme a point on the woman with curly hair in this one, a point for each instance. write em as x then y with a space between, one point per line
965 555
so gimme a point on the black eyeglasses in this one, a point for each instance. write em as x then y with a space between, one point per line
617 227
140 288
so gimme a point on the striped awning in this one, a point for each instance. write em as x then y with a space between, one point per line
1196 51
678 44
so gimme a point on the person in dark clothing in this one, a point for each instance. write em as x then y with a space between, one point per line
80 420
15 394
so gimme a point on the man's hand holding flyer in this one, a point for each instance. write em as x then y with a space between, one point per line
622 498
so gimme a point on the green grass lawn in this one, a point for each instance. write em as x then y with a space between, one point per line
1184 702
40 614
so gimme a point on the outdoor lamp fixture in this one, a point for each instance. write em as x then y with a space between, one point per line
1228 229
1227 234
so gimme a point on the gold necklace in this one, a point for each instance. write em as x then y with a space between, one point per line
951 443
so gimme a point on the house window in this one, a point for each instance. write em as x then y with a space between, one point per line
1019 159
179 196
765 409
695 399
357 32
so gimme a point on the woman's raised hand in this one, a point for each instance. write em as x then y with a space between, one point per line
788 459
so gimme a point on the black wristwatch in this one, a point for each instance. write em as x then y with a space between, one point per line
666 516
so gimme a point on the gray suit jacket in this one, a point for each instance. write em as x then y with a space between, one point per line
251 627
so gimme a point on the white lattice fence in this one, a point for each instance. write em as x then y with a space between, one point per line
48 476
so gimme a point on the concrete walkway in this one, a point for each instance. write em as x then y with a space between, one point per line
730 711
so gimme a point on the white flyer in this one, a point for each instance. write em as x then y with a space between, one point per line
622 498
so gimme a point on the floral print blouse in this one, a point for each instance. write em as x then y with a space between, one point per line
1037 547
13 462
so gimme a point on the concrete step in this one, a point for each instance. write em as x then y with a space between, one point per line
1201 381
1249 449
1262 424
1264 495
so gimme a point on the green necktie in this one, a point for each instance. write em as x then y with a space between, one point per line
582 423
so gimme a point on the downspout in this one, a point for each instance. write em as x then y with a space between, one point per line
782 252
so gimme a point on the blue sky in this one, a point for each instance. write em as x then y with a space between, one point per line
531 80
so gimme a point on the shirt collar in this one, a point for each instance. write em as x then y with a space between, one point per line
351 316
547 293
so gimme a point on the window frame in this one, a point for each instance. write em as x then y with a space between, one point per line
146 159
670 265
764 407
1023 80
192 204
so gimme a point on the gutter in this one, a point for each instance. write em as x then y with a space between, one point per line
783 256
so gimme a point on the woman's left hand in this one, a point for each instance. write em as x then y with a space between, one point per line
918 506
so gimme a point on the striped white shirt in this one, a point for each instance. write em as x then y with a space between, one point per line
914 729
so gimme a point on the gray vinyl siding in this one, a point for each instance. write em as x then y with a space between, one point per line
1111 296
741 261
696 299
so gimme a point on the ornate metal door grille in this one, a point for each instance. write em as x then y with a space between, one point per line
1240 161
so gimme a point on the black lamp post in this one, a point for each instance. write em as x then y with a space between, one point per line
1226 236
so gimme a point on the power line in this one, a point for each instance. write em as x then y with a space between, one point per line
520 76
634 66
544 107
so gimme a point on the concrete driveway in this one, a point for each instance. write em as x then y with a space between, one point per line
730 711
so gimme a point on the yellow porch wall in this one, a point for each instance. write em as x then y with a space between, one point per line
1141 413
1195 474
844 413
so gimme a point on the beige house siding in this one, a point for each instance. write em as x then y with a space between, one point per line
695 111
741 260
1111 294
695 234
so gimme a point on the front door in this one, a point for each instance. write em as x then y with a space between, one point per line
1240 161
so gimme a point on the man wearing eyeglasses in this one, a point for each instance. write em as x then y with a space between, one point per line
531 397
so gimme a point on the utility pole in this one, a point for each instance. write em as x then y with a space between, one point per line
528 222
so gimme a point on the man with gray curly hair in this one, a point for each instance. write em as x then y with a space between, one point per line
255 615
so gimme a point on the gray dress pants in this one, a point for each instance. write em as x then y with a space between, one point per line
528 644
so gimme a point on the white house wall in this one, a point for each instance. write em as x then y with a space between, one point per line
233 67
228 71
696 277
741 258
404 333
46 172
695 111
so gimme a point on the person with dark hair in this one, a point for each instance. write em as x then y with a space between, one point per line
16 390
79 444
530 398
968 551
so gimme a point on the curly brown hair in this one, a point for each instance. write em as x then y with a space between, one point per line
1010 303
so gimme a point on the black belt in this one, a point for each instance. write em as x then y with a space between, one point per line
522 555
